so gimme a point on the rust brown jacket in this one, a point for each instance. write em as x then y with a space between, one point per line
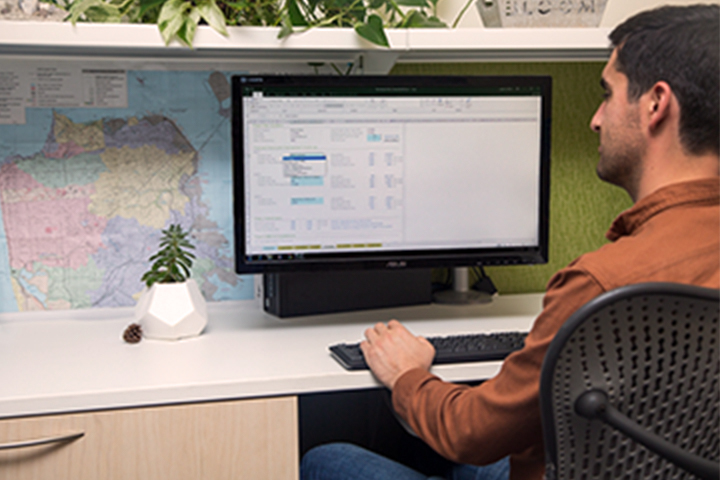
672 235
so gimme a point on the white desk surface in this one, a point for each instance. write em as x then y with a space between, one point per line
69 361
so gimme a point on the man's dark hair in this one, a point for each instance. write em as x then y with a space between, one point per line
678 45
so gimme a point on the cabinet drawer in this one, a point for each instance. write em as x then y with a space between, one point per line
246 439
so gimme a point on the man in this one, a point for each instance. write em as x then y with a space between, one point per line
659 133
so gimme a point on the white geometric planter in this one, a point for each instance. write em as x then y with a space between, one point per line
171 311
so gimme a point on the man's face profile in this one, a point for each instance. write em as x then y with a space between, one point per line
617 121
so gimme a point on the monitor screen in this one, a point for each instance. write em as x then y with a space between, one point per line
390 171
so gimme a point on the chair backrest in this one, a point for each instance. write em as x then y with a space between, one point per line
653 348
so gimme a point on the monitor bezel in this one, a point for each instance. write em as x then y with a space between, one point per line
525 255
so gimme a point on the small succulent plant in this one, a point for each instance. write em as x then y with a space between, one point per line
172 263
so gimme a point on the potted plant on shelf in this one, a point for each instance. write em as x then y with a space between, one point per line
171 306
178 19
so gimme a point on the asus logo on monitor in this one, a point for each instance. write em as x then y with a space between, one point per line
395 264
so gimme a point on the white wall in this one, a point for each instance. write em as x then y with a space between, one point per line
615 12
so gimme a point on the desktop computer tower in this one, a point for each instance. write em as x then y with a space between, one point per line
312 293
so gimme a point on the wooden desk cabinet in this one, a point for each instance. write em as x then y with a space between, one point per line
246 439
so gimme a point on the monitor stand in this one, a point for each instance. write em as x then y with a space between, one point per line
461 294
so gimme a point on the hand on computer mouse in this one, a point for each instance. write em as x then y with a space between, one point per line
391 350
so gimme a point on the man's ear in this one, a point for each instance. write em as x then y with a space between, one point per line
659 104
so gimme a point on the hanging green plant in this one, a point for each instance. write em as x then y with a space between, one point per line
179 19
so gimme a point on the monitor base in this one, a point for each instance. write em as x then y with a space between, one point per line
461 293
454 297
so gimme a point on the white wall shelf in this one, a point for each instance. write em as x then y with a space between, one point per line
506 44
258 49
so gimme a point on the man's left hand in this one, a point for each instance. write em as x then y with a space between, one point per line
391 350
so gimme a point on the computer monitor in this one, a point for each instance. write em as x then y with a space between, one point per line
390 172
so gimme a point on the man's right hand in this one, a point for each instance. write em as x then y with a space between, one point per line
391 350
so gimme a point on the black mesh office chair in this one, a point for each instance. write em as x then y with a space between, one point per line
630 387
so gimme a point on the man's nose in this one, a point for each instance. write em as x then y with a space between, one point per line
595 121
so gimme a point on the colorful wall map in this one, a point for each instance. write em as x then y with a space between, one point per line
85 192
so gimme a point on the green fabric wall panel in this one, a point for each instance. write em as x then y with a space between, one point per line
581 206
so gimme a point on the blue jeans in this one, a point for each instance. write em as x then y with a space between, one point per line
343 461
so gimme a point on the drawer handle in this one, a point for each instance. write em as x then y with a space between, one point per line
41 441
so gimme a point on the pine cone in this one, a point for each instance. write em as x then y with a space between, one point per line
133 333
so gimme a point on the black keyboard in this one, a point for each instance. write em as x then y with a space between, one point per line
476 347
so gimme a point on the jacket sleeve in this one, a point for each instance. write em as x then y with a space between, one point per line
481 424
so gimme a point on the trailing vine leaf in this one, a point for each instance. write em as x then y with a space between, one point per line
146 6
413 3
251 12
286 26
211 13
342 13
312 4
186 33
178 19
295 14
103 13
373 31
95 8
171 19
418 19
